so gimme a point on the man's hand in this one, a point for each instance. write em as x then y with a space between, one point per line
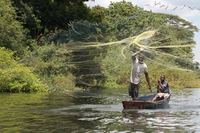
141 49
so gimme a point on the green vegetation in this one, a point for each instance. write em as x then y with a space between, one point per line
15 77
65 45
13 34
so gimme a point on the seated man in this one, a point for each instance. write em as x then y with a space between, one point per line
163 85
162 88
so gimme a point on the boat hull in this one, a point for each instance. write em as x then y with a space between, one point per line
146 102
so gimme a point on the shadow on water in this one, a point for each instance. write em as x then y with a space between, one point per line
97 111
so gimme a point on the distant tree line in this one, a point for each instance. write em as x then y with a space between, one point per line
51 36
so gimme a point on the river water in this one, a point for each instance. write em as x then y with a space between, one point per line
99 111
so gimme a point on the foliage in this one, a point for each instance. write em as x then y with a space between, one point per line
126 19
172 31
98 14
83 47
26 15
177 78
97 53
84 58
52 64
43 16
177 32
13 35
15 77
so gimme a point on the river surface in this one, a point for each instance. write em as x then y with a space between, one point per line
100 111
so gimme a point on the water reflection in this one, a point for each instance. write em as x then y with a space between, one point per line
97 112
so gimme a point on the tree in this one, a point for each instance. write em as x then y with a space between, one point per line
44 16
13 35
177 32
173 33
98 14
130 20
25 15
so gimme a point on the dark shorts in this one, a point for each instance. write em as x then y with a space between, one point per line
134 90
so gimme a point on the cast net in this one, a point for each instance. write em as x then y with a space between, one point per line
97 53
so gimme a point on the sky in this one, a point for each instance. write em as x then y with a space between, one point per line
186 9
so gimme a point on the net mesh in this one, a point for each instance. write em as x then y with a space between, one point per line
95 53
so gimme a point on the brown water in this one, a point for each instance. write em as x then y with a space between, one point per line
96 112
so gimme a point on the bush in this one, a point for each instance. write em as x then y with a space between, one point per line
15 77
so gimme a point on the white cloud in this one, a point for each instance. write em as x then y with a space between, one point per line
183 8
103 3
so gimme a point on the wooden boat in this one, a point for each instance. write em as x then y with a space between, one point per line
158 100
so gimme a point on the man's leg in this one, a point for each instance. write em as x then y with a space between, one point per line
130 91
133 90
136 91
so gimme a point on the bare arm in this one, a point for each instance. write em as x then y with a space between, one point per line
148 80
160 84
136 53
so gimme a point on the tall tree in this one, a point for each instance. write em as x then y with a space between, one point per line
13 35
42 16
130 20
177 32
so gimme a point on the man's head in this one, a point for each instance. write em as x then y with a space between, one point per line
141 58
162 78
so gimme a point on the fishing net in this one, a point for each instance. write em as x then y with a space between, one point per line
96 53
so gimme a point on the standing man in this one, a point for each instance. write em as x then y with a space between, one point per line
138 68
163 85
